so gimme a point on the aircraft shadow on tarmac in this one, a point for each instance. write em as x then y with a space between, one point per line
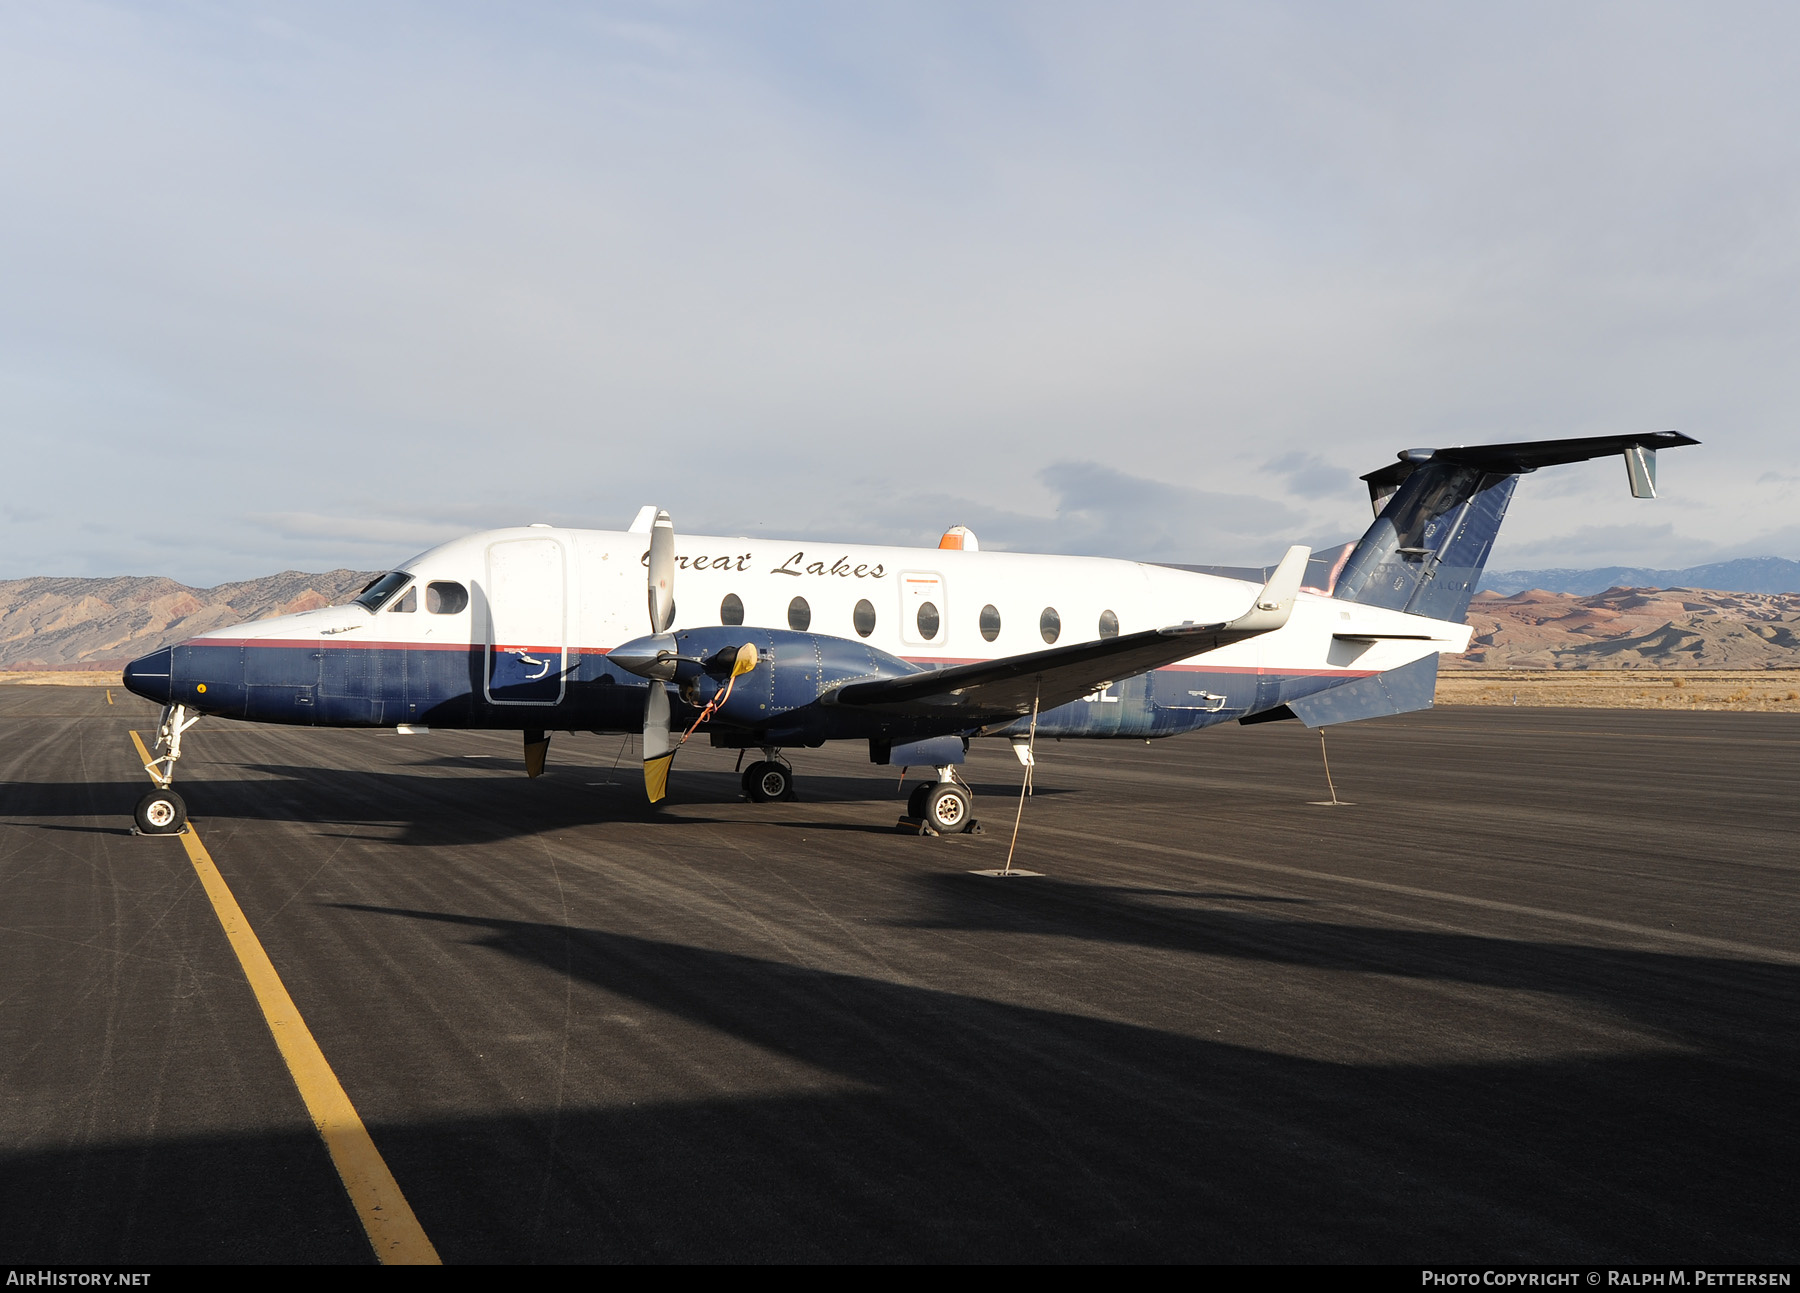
493 804
1682 998
969 1129
997 1126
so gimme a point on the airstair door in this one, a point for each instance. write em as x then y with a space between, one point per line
526 617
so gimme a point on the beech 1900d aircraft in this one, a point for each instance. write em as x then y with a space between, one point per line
774 645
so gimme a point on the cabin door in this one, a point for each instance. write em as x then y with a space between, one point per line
526 614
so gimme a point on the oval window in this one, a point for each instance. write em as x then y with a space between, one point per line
1109 625
445 598
990 622
731 610
928 621
863 617
799 615
1050 624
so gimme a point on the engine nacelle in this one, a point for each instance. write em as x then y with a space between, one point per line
777 701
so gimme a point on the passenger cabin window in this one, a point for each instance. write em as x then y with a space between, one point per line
1109 625
407 604
1050 624
928 621
863 617
731 610
445 598
990 623
372 598
799 615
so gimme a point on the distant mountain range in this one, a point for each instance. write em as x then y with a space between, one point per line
1747 575
55 623
1633 628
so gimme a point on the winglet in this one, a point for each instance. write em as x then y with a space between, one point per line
1276 599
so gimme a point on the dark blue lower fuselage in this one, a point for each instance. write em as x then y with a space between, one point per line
330 685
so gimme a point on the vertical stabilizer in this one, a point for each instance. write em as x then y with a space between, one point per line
1439 512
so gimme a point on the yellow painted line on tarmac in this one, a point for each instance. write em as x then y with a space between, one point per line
387 1218
143 754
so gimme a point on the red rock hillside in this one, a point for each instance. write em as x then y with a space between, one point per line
51 623
1634 628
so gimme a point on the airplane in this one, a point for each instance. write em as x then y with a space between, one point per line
778 645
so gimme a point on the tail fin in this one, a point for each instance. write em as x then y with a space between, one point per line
1438 512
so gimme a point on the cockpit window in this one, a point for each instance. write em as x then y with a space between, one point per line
408 603
372 598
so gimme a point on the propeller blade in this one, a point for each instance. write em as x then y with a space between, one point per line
662 573
659 750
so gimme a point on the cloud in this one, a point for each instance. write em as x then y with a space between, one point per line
1310 476
460 268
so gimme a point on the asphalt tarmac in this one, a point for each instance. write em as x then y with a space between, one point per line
1534 996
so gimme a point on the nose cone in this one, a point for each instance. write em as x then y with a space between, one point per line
148 676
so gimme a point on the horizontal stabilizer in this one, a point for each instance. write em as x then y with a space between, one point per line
1529 455
1398 691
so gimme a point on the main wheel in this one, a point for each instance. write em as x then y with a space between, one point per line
161 812
915 802
947 808
768 781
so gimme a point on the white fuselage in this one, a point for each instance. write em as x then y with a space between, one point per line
591 597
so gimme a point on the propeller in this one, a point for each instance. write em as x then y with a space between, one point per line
657 658
659 750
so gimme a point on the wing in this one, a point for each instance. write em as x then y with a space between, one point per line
1006 688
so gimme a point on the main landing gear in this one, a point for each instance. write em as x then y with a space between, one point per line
943 807
769 780
162 811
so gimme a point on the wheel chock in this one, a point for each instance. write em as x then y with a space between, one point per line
919 826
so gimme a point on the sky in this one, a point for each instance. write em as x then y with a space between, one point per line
302 286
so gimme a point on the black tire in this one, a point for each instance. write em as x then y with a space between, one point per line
915 802
767 782
948 808
161 812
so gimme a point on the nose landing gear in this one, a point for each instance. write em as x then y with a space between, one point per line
162 811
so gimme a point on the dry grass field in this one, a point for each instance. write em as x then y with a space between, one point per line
1725 689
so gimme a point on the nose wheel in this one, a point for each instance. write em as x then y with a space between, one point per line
161 812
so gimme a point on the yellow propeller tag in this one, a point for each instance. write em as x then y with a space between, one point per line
656 775
746 660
